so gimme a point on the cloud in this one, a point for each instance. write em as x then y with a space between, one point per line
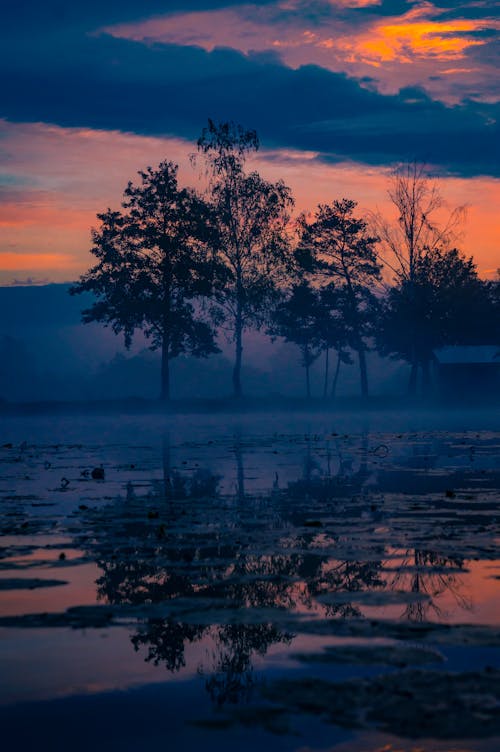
364 38
101 82
88 108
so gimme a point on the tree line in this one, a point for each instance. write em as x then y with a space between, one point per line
183 265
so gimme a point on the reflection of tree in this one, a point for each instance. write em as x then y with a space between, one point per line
254 554
165 641
134 582
231 679
352 577
240 470
320 484
425 573
286 549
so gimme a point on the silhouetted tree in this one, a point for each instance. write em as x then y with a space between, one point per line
296 319
251 215
333 333
444 304
152 265
417 231
310 318
417 199
336 247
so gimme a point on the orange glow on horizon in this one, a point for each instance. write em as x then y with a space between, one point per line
11 261
82 172
44 214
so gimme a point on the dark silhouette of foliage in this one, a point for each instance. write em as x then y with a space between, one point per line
444 304
153 265
251 216
336 247
176 267
296 320
333 332
404 243
310 318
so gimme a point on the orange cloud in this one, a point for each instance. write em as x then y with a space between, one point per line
415 37
414 48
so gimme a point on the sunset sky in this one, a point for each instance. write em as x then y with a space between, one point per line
338 90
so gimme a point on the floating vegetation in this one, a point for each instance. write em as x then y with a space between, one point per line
370 559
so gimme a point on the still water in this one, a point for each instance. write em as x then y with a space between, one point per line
298 582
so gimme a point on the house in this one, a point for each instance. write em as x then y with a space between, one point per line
468 371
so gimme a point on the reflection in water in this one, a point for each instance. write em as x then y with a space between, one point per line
220 560
231 675
321 545
431 575
165 641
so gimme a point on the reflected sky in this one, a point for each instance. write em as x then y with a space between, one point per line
224 554
216 551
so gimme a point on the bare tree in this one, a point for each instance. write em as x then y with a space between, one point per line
418 199
421 228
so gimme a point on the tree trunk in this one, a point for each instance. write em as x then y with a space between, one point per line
336 377
165 371
308 380
325 385
426 378
240 471
358 341
237 390
363 372
412 383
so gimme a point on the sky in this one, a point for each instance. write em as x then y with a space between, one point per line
340 91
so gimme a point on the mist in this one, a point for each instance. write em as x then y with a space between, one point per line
47 354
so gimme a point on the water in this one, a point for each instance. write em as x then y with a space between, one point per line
291 581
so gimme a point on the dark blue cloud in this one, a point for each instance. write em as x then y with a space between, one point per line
32 17
449 10
98 81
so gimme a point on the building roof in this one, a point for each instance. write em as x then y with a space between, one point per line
467 354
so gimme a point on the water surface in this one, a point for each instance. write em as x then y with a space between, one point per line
300 582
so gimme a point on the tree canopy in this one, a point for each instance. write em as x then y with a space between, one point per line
251 216
154 263
337 247
444 304
181 266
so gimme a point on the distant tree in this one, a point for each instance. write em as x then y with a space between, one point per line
297 320
333 332
251 216
336 247
419 229
311 319
444 304
153 264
